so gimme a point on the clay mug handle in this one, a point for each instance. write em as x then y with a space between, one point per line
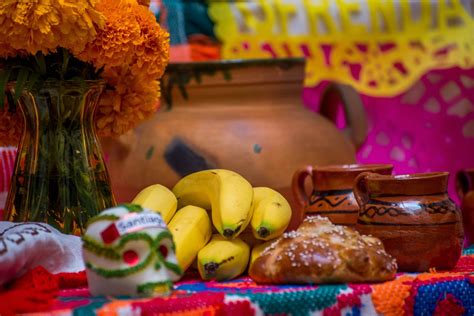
463 184
298 187
354 111
360 189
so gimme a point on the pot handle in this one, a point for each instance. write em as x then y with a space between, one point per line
354 111
463 183
360 189
297 185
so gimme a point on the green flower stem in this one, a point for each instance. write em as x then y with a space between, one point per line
60 177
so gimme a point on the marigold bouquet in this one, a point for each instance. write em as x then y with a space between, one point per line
115 40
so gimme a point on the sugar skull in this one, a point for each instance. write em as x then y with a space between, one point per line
129 250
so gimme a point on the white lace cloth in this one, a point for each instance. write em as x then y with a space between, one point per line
24 246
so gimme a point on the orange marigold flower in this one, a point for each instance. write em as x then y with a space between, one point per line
115 42
120 35
152 54
131 36
43 25
131 100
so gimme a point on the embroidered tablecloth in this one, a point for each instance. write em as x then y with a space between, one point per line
434 293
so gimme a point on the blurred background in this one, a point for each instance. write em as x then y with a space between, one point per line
410 61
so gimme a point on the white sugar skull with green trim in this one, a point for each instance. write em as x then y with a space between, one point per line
129 250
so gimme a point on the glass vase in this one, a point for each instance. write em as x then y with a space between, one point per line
60 177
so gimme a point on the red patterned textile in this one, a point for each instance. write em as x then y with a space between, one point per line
434 293
37 291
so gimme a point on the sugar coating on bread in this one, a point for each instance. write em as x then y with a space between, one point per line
321 252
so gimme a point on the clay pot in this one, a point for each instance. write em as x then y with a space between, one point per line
246 116
465 189
417 222
332 190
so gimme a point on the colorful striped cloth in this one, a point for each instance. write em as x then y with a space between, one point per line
434 293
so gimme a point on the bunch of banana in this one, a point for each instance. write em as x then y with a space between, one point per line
255 215
191 226
224 259
227 194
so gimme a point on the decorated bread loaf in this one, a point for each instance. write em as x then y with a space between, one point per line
129 250
320 252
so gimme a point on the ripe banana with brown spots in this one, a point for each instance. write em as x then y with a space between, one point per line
223 259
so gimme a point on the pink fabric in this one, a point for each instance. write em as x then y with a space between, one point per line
7 162
428 128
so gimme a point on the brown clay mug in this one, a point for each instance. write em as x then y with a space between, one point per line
419 225
332 194
465 189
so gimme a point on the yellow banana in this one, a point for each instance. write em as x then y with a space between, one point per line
271 215
225 192
223 259
159 199
191 229
257 250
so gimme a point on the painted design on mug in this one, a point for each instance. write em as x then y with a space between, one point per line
390 208
337 196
